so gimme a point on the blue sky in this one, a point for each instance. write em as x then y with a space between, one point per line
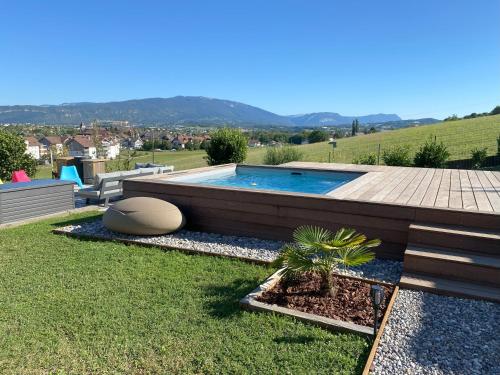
414 58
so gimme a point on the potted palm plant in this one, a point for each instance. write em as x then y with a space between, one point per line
322 251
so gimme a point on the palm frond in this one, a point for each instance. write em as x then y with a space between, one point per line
354 256
309 237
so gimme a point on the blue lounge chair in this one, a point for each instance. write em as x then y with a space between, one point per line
69 173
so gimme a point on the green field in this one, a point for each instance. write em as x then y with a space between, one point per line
460 137
72 306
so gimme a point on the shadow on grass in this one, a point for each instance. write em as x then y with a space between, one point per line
63 223
224 299
297 339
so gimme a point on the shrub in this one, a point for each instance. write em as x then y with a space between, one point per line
397 156
322 251
495 111
367 159
498 145
13 156
478 156
317 136
280 155
431 155
226 146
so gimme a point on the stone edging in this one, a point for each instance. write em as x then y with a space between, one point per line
249 302
163 247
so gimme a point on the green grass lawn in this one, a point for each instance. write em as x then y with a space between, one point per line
459 136
74 306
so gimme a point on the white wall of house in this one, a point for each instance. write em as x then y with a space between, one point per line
111 150
34 151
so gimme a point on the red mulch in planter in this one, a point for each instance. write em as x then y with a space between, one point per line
351 304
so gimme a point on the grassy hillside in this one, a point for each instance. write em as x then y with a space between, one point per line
460 137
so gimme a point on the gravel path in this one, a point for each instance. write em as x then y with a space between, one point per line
431 334
244 247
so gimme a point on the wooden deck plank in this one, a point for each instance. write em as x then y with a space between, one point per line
352 186
412 187
431 194
419 194
483 203
378 181
468 199
490 190
455 190
495 182
405 181
394 181
443 197
388 184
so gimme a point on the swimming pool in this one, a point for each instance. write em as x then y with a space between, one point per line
269 178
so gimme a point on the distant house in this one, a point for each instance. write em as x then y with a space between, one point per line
32 147
137 144
110 149
254 143
81 145
53 143
180 141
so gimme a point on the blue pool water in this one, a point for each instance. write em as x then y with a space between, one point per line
300 181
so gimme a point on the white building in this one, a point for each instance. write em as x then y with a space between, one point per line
33 147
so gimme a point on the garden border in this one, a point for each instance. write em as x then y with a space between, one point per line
163 247
249 302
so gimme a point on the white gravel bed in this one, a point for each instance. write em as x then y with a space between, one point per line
431 334
235 246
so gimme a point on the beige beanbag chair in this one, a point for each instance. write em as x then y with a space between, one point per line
143 216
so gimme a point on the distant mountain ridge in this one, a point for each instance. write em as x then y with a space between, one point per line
176 110
334 119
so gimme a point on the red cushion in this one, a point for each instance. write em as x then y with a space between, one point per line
20 176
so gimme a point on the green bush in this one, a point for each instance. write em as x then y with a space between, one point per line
226 146
317 136
397 156
13 156
280 155
478 156
367 159
432 154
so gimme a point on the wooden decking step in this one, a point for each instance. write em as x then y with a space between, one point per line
455 237
449 287
454 229
457 264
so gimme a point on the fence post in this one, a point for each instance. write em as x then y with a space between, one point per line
378 155
329 154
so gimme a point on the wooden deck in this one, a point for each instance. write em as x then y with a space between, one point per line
469 190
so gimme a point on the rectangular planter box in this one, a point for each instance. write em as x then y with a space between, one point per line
249 302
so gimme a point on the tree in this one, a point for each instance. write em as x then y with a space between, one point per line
96 139
432 154
317 136
296 139
353 128
397 156
321 251
13 156
226 146
495 111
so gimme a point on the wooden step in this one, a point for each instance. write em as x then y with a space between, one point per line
447 263
455 237
449 287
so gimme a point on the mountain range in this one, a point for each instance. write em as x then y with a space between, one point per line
193 110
